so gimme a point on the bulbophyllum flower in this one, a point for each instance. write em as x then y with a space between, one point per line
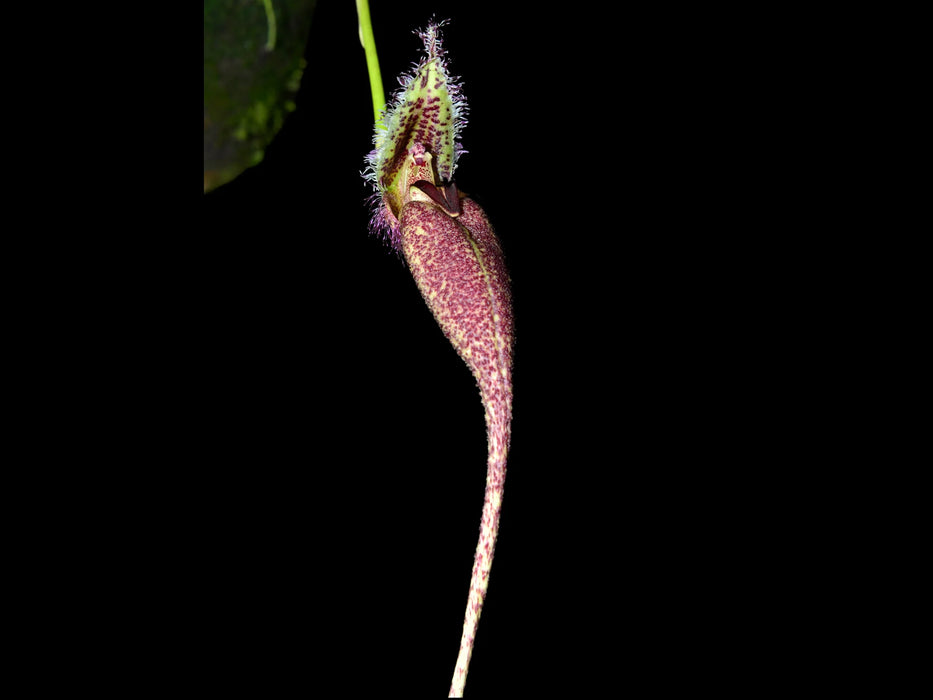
456 260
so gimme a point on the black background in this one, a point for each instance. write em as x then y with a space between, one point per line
339 473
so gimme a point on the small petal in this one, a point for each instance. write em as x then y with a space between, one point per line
418 137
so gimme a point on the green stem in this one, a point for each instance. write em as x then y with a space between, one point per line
372 60
270 23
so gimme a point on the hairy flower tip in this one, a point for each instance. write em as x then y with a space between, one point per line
382 224
425 116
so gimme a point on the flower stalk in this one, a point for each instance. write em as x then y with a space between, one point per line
270 24
368 40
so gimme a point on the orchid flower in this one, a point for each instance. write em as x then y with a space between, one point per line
456 260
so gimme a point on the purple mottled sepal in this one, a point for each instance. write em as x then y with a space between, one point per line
458 266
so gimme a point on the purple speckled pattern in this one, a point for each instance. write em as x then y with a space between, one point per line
458 265
459 268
